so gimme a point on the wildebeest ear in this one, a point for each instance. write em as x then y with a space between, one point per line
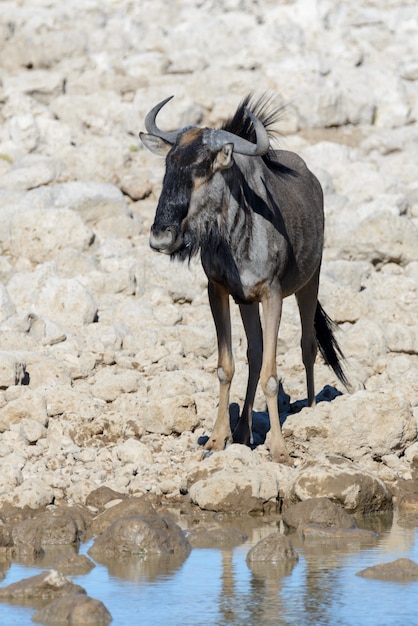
224 158
155 144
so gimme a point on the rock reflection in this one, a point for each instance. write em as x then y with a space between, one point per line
227 600
265 600
219 586
401 536
53 554
260 602
138 570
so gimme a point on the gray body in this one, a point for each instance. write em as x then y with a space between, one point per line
278 244
256 216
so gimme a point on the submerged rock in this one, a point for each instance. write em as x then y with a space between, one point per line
42 587
319 511
401 570
74 611
101 496
272 558
276 548
335 534
216 537
140 536
74 565
119 508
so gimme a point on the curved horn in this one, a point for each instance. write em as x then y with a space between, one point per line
218 138
152 127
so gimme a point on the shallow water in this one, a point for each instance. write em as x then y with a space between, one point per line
216 587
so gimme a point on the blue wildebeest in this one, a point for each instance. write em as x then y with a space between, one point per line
256 216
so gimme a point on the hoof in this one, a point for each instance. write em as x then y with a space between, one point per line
216 443
282 457
278 451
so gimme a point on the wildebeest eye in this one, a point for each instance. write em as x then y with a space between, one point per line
203 169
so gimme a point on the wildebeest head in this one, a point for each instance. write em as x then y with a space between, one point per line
195 158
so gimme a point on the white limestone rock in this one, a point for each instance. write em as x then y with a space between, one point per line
354 426
66 302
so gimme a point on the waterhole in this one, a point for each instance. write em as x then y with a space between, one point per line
214 587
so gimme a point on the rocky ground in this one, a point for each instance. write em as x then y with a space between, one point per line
108 350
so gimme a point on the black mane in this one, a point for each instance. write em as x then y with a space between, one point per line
264 107
269 112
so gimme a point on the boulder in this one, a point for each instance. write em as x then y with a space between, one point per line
140 536
102 496
50 529
108 384
11 475
335 535
118 508
320 511
216 537
401 570
172 405
30 173
343 482
74 611
41 85
32 492
237 480
134 452
354 426
65 301
319 519
28 405
383 238
32 431
274 549
74 565
92 201
24 131
41 234
40 588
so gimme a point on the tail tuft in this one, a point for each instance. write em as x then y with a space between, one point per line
328 345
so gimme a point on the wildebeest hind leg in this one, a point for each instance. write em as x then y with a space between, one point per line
307 299
250 316
272 309
219 303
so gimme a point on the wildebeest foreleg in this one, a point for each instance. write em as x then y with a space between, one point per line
272 309
219 303
250 316
307 301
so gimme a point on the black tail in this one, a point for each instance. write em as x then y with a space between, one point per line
328 345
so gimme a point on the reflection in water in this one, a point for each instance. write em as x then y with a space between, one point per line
264 602
324 557
144 570
214 587
227 600
257 601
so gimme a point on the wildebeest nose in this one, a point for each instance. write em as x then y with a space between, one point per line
161 238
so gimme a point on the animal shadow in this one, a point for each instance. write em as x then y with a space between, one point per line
261 419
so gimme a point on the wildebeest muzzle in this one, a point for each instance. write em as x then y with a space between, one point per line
166 239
